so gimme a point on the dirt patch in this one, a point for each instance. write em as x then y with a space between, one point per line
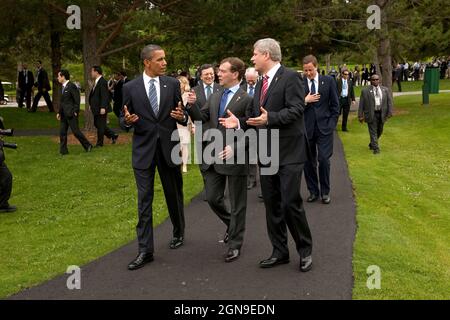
92 137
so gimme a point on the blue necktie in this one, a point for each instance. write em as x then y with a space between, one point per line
313 86
208 92
223 102
252 91
153 97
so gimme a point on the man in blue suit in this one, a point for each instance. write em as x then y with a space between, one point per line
321 116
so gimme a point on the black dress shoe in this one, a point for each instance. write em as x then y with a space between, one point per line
8 209
370 147
305 264
326 199
114 139
89 149
226 237
272 262
232 255
376 151
260 196
312 198
175 243
141 260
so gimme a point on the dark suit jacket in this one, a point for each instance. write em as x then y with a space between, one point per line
99 97
367 104
351 90
240 105
118 94
285 103
70 101
325 112
200 93
21 80
42 81
149 128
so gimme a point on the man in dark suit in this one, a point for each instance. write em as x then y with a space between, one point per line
68 113
153 106
226 110
375 107
118 94
204 89
251 78
346 93
43 86
25 83
278 105
321 116
99 101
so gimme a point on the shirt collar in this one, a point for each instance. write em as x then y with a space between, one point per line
316 79
147 79
206 85
272 72
65 83
235 88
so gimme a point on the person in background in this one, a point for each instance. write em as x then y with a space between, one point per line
185 131
25 85
43 86
346 94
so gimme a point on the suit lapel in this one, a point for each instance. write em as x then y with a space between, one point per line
236 98
163 97
216 106
274 83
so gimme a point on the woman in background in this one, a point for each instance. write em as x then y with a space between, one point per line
185 131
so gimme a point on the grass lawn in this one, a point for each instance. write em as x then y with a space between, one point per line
411 86
20 119
72 209
403 201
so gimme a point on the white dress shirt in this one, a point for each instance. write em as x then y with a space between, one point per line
316 83
272 72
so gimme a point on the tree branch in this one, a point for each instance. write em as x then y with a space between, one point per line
130 45
58 9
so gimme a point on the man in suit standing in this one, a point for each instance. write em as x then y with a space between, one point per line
346 97
278 105
375 107
118 94
153 106
321 116
205 88
69 112
227 109
25 82
251 78
43 86
99 101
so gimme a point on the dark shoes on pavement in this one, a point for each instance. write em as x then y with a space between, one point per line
313 198
251 185
305 264
175 243
272 262
141 260
326 199
232 255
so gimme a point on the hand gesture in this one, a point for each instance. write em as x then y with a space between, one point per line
232 122
129 118
259 121
227 153
311 98
178 113
192 98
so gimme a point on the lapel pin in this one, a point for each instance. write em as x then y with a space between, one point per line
165 86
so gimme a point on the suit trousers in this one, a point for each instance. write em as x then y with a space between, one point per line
47 99
172 183
234 218
24 94
284 208
5 185
375 130
345 111
321 147
71 123
102 128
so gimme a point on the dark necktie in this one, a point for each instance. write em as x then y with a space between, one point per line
313 86
223 102
153 96
251 92
208 92
265 87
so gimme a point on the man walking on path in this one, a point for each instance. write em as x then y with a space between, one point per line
278 105
375 107
346 93
43 86
321 116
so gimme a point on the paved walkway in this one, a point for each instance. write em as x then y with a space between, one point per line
197 270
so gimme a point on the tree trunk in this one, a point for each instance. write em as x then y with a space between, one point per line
55 44
90 56
328 63
384 46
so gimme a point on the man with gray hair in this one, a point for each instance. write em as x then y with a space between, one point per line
278 105
153 106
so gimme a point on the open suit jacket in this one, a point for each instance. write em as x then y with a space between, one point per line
367 104
350 88
240 105
100 97
150 127
326 110
285 101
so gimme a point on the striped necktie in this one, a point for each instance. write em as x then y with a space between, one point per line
153 97
265 86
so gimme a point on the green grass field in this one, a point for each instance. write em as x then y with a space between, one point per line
403 202
72 209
